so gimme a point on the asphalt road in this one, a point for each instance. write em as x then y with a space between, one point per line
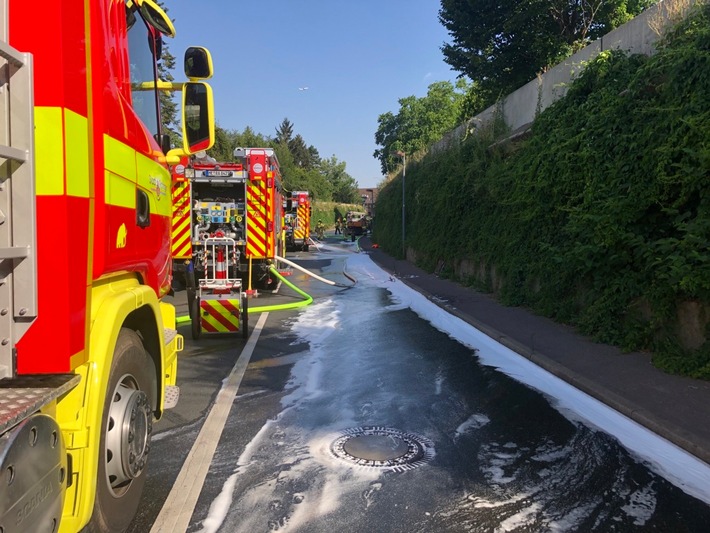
256 442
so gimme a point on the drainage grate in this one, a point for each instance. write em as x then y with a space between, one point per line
382 447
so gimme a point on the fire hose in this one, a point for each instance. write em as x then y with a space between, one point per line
307 298
316 276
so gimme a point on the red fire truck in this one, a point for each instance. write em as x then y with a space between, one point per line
298 221
88 351
227 233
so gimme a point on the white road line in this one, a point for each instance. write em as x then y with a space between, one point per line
175 515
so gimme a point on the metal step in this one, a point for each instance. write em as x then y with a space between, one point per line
22 396
172 395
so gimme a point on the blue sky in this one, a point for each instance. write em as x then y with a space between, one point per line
357 58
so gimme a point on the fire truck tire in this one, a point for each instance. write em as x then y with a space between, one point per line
244 314
126 427
195 319
304 247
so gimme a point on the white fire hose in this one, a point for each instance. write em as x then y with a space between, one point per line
316 276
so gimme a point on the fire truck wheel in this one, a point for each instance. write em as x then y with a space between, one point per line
126 428
195 319
244 314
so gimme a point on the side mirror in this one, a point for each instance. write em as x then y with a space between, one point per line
197 117
154 15
198 63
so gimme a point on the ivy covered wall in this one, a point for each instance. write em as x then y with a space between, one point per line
599 218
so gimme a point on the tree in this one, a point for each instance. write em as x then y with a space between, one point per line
314 155
251 139
504 44
420 121
344 187
223 147
300 153
474 101
227 140
284 132
301 166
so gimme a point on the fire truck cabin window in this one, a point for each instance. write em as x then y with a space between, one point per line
143 72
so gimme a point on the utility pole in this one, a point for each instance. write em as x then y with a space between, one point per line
401 154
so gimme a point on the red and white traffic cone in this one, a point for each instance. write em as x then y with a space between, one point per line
220 269
220 266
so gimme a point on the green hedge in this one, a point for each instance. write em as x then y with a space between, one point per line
328 212
600 218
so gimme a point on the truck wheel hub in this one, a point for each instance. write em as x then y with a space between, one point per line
127 437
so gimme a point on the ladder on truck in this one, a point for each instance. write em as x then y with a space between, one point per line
18 262
21 396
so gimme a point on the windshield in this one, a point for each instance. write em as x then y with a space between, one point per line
143 71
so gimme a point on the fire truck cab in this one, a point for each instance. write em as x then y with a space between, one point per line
88 351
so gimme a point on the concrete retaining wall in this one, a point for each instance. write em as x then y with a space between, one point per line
520 107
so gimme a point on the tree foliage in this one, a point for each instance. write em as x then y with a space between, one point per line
344 187
502 45
419 121
303 156
227 140
301 166
284 133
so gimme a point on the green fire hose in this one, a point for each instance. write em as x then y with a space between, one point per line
307 300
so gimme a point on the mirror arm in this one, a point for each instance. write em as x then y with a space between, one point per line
173 156
170 85
161 86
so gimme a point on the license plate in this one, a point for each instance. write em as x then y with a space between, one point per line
218 173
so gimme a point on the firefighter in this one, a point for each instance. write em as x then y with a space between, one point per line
338 224
320 230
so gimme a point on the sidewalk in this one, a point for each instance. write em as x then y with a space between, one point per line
673 407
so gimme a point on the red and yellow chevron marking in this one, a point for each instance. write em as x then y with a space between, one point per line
218 316
302 230
259 240
182 219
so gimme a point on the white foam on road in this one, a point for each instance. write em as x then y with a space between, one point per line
475 421
303 453
663 457
319 484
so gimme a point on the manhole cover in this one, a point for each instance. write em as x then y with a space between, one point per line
382 447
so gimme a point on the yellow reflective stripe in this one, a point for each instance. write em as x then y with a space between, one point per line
49 151
119 158
120 191
120 176
126 169
77 154
156 180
